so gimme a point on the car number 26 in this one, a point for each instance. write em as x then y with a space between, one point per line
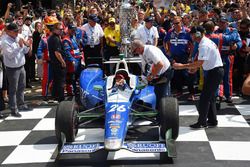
116 107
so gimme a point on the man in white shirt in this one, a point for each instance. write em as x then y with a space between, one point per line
148 33
93 49
210 59
14 49
155 66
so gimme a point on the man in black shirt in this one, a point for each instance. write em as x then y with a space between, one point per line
57 60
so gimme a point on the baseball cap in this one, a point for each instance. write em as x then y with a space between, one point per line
223 19
28 17
12 27
173 12
72 27
112 19
93 17
149 19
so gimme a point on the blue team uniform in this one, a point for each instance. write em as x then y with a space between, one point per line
227 56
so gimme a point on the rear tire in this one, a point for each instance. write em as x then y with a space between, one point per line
66 121
169 116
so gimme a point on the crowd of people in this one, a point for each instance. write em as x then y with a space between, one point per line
54 45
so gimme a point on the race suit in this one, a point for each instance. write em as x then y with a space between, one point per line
73 62
227 56
43 53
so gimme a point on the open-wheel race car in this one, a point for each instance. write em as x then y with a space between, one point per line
120 109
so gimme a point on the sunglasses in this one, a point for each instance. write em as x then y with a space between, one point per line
176 23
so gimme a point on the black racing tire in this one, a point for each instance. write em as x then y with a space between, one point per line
169 116
66 121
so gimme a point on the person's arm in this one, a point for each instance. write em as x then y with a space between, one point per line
155 70
98 9
157 15
40 49
155 42
58 50
7 13
246 86
12 50
59 57
193 65
68 50
166 43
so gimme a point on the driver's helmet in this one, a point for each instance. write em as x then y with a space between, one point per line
49 22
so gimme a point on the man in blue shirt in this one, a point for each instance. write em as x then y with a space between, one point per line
178 45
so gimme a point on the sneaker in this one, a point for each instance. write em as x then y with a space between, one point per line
229 99
197 126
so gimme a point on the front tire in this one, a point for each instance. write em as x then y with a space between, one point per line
169 116
66 121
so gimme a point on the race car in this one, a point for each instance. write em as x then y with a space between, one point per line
120 107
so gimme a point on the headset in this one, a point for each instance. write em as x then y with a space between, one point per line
198 34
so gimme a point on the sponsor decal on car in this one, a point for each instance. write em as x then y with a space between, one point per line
146 147
116 116
117 107
81 148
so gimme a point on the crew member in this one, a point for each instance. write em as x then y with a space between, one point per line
155 66
178 45
228 53
73 59
210 60
43 56
57 60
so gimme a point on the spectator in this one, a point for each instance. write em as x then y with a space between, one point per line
29 58
113 39
93 49
14 50
148 33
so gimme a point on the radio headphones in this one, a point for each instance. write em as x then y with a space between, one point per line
198 34
198 31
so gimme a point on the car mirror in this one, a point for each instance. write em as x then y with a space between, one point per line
98 87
